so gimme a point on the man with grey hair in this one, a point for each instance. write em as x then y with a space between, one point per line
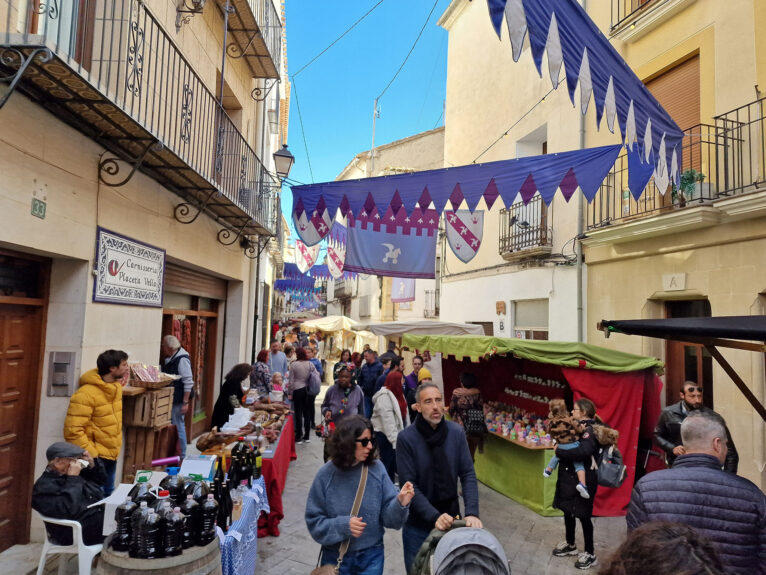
178 362
433 454
729 510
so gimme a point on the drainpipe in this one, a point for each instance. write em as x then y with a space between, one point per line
580 231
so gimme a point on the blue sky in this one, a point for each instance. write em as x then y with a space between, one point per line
336 93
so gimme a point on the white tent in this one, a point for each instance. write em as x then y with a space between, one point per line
420 327
329 323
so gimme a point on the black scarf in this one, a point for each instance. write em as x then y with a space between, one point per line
445 497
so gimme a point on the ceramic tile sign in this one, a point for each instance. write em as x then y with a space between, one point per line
127 272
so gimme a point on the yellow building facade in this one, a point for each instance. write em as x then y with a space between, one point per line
157 125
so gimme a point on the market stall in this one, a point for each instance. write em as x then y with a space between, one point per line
517 378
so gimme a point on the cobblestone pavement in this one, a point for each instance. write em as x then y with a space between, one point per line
526 537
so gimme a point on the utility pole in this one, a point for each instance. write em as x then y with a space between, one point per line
375 114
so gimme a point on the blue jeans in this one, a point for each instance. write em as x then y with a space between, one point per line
554 462
365 562
110 466
387 454
412 539
177 419
367 407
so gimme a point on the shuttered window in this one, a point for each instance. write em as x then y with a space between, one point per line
191 282
678 91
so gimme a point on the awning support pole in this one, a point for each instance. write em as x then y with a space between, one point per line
757 405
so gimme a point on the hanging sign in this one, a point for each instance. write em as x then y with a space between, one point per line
312 227
464 231
127 272
402 290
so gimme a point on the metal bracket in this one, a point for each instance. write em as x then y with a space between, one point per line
232 49
226 233
8 56
250 248
258 95
181 211
111 167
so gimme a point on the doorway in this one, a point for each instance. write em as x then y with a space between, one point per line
688 361
23 304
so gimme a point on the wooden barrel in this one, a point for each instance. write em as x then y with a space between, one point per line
193 561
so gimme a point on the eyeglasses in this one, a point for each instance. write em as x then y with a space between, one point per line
692 389
365 441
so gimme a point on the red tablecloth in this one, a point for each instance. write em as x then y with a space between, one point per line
274 469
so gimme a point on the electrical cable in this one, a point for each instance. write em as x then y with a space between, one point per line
337 39
410 52
303 132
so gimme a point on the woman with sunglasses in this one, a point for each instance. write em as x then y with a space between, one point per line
328 509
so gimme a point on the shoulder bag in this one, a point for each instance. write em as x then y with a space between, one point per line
315 381
334 569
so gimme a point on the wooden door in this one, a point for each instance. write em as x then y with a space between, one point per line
688 361
20 329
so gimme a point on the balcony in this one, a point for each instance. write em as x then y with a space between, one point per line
524 231
720 160
256 30
108 69
342 289
431 309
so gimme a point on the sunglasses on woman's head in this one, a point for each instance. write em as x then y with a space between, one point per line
365 441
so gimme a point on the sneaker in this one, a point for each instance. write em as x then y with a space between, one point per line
563 549
583 491
586 561
547 472
307 440
298 441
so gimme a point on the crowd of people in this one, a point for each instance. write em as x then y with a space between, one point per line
394 461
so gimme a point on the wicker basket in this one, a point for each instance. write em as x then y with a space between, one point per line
165 380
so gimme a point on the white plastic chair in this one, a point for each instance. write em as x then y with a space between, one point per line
85 553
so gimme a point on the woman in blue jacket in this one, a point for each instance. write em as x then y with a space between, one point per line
331 498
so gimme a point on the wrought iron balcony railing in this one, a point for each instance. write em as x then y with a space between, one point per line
110 70
524 230
626 11
719 160
256 30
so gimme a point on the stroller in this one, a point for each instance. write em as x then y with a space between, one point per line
461 551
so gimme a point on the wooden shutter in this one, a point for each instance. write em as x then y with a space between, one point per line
678 91
192 282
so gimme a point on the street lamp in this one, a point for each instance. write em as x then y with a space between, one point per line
283 161
184 11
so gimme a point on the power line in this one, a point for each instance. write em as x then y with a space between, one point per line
504 134
410 52
303 132
338 38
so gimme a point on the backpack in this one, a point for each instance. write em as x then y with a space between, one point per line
610 467
473 422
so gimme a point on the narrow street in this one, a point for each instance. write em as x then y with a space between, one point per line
526 537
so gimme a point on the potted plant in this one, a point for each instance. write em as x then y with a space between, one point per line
685 190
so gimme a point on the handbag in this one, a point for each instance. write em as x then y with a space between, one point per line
315 382
333 569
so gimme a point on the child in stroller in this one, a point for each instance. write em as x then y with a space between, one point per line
566 432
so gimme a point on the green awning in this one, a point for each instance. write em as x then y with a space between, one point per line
565 354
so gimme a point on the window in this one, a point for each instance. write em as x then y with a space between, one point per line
530 319
364 306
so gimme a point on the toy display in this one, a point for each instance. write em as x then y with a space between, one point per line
516 424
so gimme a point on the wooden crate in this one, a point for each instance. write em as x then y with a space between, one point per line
142 445
150 409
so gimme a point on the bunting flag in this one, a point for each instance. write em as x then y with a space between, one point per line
402 290
302 285
315 228
396 245
291 271
464 231
336 250
507 180
306 255
563 30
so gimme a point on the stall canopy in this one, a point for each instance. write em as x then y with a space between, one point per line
329 323
736 332
399 328
624 387
565 354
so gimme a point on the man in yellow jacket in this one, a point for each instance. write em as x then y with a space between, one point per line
94 418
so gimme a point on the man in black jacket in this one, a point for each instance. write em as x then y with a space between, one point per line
667 433
727 509
66 489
